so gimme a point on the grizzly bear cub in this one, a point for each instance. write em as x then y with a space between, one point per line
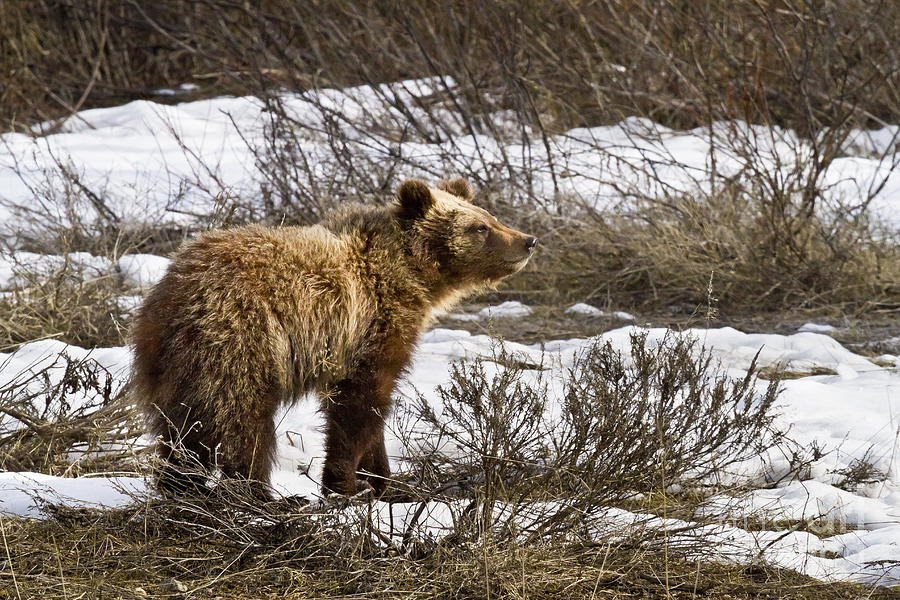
249 318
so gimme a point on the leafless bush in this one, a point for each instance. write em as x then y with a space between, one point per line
65 417
661 419
860 472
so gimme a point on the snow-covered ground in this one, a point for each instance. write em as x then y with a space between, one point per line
154 164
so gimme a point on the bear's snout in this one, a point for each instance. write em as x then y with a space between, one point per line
531 242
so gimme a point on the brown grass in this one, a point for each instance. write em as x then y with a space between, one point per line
86 313
726 251
164 550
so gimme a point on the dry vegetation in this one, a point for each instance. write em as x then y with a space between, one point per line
165 551
801 65
66 417
86 313
739 244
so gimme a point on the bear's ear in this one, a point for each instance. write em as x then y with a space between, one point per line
458 187
415 199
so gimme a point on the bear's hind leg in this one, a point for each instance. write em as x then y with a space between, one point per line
249 457
184 452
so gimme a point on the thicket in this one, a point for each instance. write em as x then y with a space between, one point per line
797 64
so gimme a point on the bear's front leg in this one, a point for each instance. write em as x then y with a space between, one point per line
375 466
354 431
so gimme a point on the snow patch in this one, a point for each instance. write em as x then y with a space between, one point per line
590 311
26 494
19 269
816 328
584 309
142 270
507 310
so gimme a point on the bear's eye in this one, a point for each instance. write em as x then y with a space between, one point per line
482 228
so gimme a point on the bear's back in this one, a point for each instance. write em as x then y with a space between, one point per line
294 295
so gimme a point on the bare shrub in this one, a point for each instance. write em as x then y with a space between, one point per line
674 252
66 417
860 472
668 413
664 417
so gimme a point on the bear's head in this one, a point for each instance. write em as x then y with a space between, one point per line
470 246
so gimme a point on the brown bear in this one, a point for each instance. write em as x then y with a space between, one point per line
246 319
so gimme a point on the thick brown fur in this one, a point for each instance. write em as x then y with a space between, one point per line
247 319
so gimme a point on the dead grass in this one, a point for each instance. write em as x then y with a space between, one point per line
154 550
728 247
781 373
702 255
86 313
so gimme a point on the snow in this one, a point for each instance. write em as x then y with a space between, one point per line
18 269
587 310
874 142
155 164
816 501
25 494
129 304
142 270
816 328
463 317
584 309
507 310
